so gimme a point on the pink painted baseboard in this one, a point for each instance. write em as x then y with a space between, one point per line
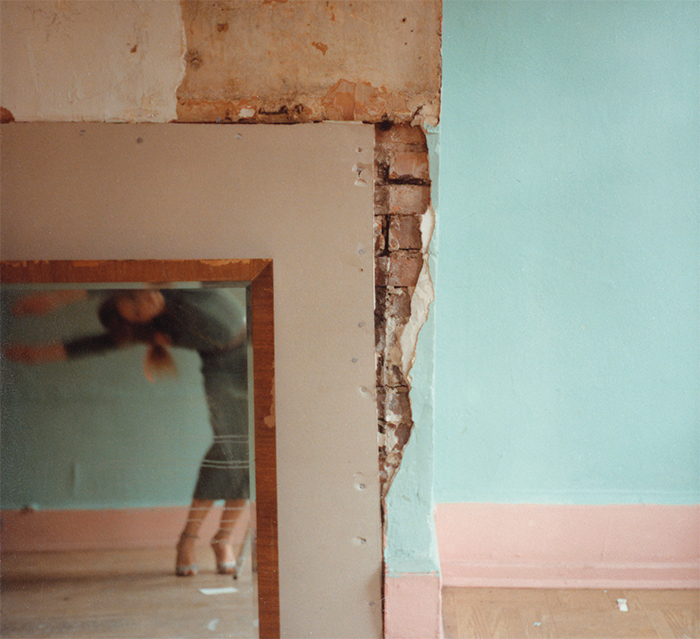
36 530
552 546
413 606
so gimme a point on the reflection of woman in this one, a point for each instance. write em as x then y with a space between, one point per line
197 319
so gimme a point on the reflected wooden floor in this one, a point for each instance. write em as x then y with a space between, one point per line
122 594
493 613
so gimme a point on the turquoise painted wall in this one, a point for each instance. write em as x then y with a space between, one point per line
93 432
567 320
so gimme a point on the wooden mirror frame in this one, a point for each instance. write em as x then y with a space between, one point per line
257 272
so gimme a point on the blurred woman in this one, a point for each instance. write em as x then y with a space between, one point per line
202 320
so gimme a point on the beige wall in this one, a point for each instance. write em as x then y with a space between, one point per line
74 191
91 60
228 60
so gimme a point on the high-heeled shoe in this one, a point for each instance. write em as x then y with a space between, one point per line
223 547
183 569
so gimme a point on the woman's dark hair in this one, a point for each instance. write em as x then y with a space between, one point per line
121 330
158 360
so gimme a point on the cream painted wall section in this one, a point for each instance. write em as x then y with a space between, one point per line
74 191
85 60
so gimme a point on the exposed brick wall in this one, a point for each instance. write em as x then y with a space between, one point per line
402 196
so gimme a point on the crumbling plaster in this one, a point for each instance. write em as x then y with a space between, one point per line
311 60
404 223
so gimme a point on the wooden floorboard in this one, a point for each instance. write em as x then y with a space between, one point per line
130 594
500 613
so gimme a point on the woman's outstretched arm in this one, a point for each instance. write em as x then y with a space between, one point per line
47 301
36 354
60 351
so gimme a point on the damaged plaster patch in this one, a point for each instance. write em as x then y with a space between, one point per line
426 115
404 224
421 299
320 46
312 60
6 115
359 168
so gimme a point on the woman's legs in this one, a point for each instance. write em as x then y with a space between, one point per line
185 565
221 543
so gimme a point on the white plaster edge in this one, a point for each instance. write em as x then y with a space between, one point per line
421 299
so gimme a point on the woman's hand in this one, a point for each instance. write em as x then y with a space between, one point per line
40 354
46 302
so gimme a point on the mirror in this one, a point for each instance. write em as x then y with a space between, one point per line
116 446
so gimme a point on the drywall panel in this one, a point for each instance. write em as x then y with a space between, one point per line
109 191
81 60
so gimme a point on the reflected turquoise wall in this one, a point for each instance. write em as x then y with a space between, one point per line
93 433
567 321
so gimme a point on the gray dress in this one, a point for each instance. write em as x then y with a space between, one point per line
206 321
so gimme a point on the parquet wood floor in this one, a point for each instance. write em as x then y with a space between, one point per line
486 613
131 594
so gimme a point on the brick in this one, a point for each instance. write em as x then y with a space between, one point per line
404 232
381 402
381 199
400 133
398 303
408 199
391 376
409 166
379 338
381 271
402 268
379 235
380 300
381 168
397 406
397 436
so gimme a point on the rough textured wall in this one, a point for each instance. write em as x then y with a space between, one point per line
273 61
87 60
403 225
310 60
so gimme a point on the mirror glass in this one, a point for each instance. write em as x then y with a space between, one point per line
128 457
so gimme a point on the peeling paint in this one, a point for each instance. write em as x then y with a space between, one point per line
342 102
175 59
6 115
422 298
405 221
270 419
427 115
224 262
374 65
